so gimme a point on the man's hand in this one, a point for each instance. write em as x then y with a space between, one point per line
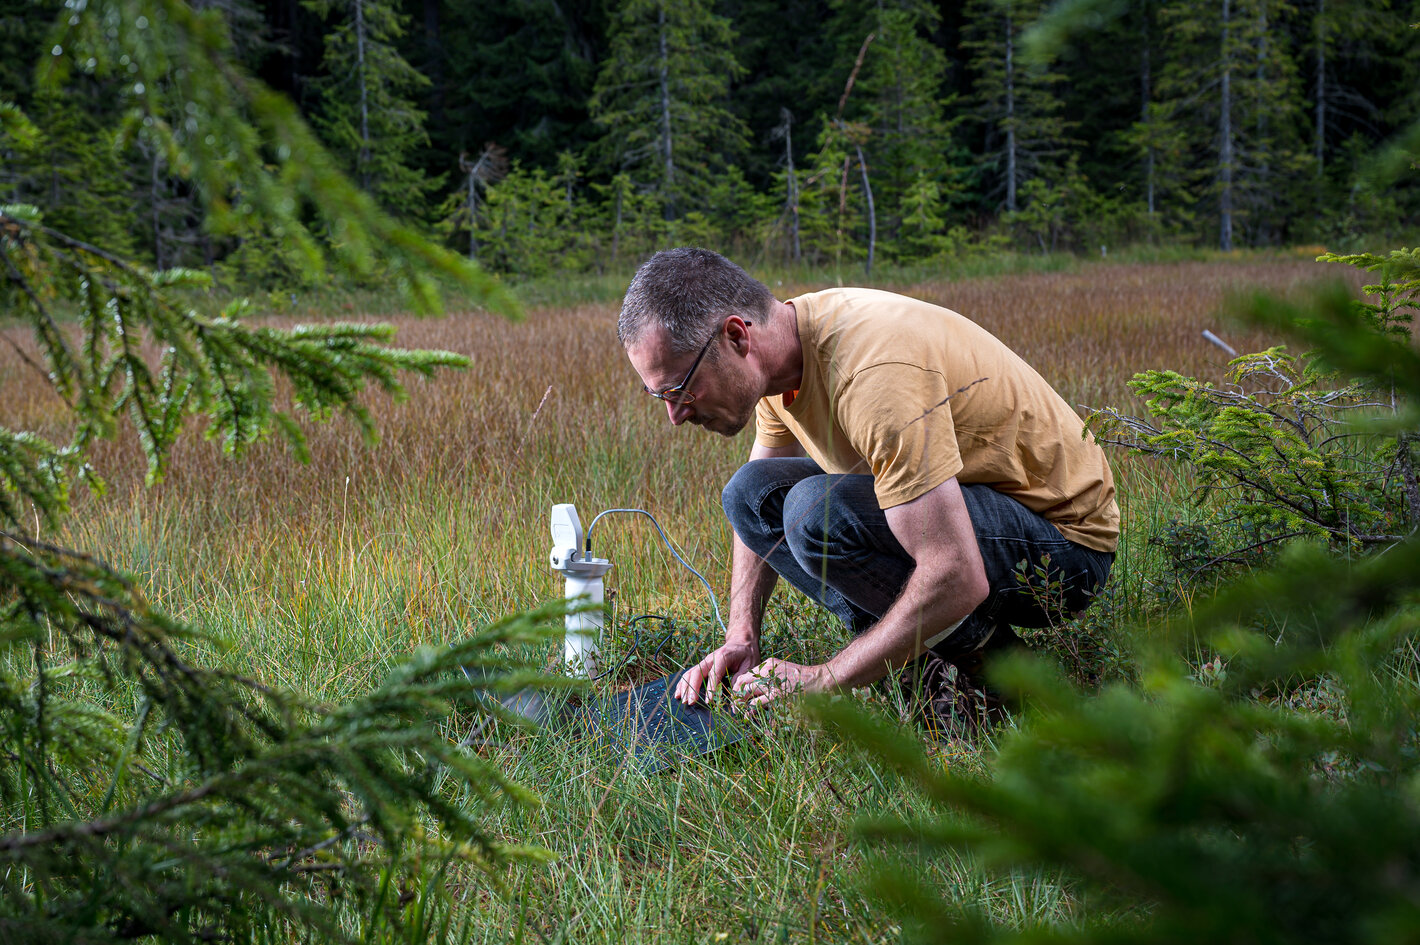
775 678
731 660
751 582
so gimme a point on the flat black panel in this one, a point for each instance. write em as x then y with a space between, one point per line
657 728
649 722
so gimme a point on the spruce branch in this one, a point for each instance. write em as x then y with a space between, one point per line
272 781
258 807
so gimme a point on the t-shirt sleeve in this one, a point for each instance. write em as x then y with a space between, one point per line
898 419
769 430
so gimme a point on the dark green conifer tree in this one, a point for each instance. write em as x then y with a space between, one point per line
1341 39
1131 160
1026 133
659 98
518 72
72 168
1275 159
77 172
527 226
1362 68
366 108
898 95
1229 86
797 69
23 24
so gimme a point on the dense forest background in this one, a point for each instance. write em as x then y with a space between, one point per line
576 135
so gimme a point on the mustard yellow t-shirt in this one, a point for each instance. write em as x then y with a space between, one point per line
916 394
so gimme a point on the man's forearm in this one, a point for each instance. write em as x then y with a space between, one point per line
929 603
752 580
947 583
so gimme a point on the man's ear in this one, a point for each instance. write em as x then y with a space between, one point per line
738 331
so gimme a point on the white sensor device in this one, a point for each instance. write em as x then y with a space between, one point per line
584 585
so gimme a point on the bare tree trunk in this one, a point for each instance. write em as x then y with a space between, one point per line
364 94
616 227
1010 117
794 214
155 197
1225 132
1261 73
489 167
1320 145
434 68
872 213
848 159
472 214
666 117
1144 93
786 122
1261 228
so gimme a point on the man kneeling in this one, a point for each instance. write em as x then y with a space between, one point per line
905 464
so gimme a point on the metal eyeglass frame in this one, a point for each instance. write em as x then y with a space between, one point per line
678 393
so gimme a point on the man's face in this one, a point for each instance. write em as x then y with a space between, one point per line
724 396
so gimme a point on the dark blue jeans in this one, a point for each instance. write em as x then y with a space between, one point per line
826 535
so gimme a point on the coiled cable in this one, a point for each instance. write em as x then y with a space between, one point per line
714 602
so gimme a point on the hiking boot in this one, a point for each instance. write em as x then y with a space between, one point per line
939 695
971 667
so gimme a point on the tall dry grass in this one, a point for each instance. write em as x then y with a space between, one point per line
550 411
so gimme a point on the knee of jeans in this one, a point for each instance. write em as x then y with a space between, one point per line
805 511
734 498
1091 585
741 495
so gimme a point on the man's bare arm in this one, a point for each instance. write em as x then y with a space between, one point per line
947 583
752 581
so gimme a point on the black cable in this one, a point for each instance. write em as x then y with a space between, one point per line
714 602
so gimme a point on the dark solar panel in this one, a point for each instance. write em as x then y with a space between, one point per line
648 722
657 728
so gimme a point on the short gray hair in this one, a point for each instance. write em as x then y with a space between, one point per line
689 292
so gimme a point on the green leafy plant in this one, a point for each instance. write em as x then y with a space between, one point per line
1084 644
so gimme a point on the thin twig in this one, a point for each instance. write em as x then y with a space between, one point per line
853 76
531 422
53 332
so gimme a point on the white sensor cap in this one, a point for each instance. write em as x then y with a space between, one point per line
566 527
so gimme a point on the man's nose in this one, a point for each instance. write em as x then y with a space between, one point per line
679 413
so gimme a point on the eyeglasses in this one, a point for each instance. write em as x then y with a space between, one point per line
678 393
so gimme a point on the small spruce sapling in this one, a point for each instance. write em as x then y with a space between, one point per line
1291 445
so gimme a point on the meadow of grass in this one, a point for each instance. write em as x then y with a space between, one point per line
319 576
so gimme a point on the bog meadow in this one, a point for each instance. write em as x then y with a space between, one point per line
294 365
